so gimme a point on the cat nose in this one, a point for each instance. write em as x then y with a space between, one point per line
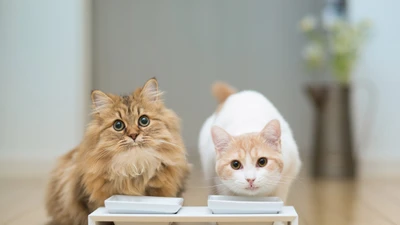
133 136
251 181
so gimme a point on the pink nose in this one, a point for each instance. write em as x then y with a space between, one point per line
133 136
251 181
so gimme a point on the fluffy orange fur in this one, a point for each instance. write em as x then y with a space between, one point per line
138 160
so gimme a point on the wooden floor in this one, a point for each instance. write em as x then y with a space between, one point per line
323 202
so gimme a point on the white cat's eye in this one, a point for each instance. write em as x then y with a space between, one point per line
118 125
236 165
262 162
144 121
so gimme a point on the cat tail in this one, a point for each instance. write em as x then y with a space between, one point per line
222 91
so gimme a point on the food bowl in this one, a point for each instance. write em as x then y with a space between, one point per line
221 204
123 204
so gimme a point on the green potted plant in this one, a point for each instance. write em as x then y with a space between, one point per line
332 48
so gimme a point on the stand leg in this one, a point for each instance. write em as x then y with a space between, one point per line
91 222
294 222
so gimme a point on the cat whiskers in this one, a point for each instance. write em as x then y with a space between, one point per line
147 139
167 142
288 179
268 182
233 186
271 181
105 153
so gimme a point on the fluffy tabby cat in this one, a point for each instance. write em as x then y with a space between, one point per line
248 145
132 146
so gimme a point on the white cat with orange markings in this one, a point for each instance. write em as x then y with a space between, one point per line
247 147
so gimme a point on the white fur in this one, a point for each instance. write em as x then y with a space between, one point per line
249 112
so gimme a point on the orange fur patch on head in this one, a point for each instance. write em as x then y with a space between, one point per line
247 145
127 161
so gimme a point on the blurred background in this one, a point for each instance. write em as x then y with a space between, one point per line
329 66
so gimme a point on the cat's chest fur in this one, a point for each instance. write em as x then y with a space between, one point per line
134 163
127 173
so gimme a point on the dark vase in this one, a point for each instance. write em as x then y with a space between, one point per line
343 157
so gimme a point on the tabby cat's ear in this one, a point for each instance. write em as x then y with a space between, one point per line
272 134
150 90
221 138
100 100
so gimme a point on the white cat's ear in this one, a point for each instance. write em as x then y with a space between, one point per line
221 138
272 134
100 100
150 90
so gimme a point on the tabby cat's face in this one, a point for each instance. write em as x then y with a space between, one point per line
130 129
130 124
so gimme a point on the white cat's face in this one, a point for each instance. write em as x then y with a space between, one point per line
251 179
249 164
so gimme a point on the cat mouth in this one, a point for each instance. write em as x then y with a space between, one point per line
252 188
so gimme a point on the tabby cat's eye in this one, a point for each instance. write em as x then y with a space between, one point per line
236 165
262 162
119 125
144 121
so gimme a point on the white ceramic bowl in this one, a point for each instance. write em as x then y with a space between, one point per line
220 204
123 204
133 223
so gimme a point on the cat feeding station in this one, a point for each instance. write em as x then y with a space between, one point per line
127 210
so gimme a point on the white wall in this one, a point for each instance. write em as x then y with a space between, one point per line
379 64
189 44
44 81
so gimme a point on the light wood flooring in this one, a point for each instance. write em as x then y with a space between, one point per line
318 202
